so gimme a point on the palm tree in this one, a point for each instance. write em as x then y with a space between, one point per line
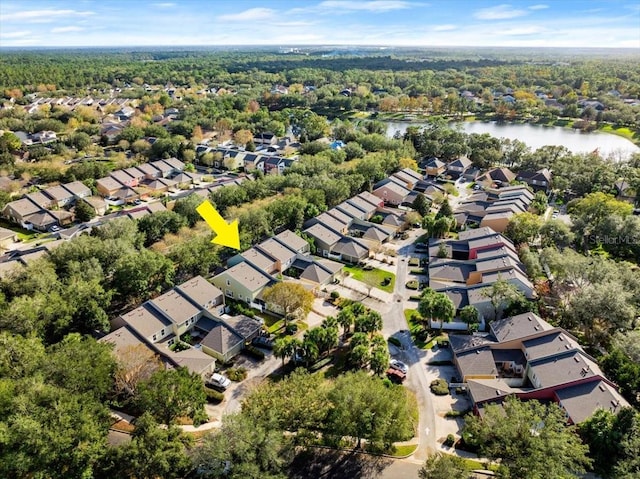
285 347
345 319
443 309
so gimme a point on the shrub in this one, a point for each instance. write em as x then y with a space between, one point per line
237 374
387 382
291 329
254 352
415 297
395 341
450 441
414 262
413 284
213 396
453 413
320 364
439 387
334 295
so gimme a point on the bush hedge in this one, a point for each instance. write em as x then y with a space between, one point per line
213 396
334 295
237 374
439 387
413 284
254 352
395 341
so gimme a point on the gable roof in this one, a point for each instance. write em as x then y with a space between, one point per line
582 400
562 369
23 207
324 234
174 306
148 169
277 250
40 199
242 325
394 187
330 222
519 327
58 193
247 275
77 188
145 321
371 198
199 291
434 163
350 210
109 182
291 240
259 258
340 216
462 162
350 247
556 342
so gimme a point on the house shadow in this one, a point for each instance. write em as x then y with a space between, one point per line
331 464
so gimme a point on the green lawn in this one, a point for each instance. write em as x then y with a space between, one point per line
622 131
373 277
402 451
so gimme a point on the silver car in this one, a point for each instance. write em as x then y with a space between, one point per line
399 365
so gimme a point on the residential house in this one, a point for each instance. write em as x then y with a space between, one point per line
7 238
458 167
435 167
526 357
274 165
625 192
124 178
78 189
18 211
176 165
496 177
408 177
538 180
40 199
60 196
108 186
266 138
222 342
282 254
324 238
44 137
136 173
292 241
245 283
391 192
164 168
150 171
258 259
181 312
97 203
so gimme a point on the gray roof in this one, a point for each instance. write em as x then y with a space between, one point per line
134 172
277 250
77 188
478 362
562 369
58 193
520 326
124 338
175 163
161 165
315 273
349 247
40 199
549 345
362 204
145 321
394 187
175 306
292 240
324 234
476 233
340 216
461 163
370 198
122 176
582 400
351 210
23 207
41 219
243 325
376 234
450 271
434 163
248 276
148 169
497 264
482 390
221 339
260 259
200 291
109 183
495 239
464 342
330 222
193 359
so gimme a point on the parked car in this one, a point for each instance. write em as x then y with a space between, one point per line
399 366
262 342
396 376
219 381
54 229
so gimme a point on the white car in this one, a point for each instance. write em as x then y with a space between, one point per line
399 365
219 381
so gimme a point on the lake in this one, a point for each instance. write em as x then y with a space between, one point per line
536 136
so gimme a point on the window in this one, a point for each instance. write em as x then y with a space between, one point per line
154 338
162 333
228 283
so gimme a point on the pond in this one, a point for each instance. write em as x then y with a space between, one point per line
536 136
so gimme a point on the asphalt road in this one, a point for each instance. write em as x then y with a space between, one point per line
394 323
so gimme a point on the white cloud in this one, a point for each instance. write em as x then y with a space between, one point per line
531 30
253 14
68 29
444 28
376 6
538 6
42 15
499 12
21 34
164 5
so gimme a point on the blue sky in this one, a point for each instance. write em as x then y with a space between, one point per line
545 23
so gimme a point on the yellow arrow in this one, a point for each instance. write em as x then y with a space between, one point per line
226 234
